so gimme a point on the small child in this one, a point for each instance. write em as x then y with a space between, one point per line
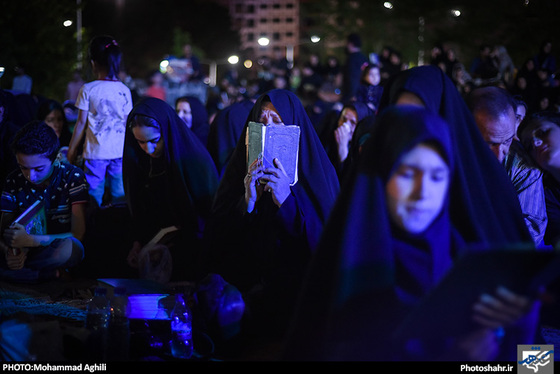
369 91
103 106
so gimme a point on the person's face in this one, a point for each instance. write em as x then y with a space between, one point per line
55 119
185 113
37 169
348 118
150 140
543 143
269 115
520 112
374 76
417 189
498 132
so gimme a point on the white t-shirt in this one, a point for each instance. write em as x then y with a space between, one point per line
108 104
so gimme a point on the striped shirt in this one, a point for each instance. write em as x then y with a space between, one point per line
528 182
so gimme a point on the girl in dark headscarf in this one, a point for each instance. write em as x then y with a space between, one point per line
484 202
225 131
265 243
191 110
53 114
389 242
170 179
339 131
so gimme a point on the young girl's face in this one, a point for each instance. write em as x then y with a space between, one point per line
185 113
417 189
55 119
150 140
373 76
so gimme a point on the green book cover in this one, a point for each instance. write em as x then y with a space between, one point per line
274 141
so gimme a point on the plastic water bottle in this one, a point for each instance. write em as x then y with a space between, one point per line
97 321
181 329
119 327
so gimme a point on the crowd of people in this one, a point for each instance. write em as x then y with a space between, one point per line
401 171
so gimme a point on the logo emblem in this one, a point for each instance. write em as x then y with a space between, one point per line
533 359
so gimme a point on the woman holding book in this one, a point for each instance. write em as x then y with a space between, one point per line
170 180
391 240
263 230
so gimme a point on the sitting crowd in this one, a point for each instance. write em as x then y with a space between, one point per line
391 191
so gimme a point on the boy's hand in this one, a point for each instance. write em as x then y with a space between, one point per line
15 236
15 258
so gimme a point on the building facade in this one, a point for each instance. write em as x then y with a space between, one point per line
275 20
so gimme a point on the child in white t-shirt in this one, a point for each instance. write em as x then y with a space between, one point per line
103 106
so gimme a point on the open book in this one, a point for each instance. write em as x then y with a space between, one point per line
34 218
274 141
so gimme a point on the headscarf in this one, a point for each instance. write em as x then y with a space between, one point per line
484 203
328 136
317 185
363 256
200 125
225 130
191 172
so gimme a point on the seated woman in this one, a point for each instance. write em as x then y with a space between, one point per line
194 114
263 231
54 243
338 134
170 180
52 113
540 136
389 242
484 199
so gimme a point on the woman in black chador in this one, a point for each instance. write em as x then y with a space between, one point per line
391 239
170 180
262 235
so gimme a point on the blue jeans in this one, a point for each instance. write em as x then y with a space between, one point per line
100 172
42 262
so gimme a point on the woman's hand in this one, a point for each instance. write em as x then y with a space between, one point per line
503 308
343 135
15 236
253 188
277 182
15 258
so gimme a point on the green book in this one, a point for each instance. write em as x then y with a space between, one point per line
274 141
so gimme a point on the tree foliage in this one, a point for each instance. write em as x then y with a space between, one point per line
520 25
33 35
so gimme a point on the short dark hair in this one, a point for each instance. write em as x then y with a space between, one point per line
492 100
36 138
355 39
